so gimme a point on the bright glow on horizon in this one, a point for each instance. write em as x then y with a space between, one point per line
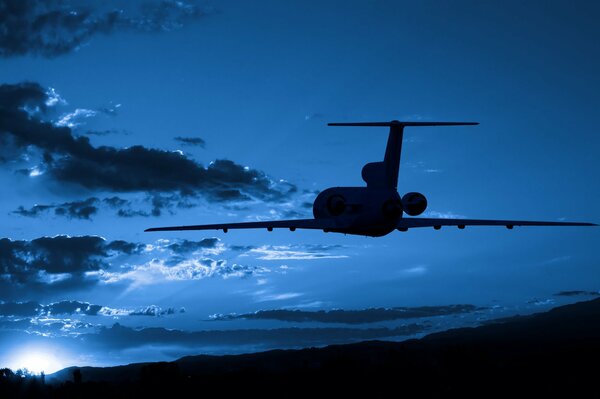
37 359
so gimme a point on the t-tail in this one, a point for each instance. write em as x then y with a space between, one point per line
385 174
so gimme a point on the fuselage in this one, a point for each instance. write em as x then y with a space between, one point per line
360 210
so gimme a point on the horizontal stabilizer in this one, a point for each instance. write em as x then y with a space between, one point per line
398 123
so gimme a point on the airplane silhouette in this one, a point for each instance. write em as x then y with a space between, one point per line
377 209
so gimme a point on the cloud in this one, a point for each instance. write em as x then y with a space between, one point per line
363 316
415 270
295 252
62 262
78 308
70 119
577 293
154 310
262 297
315 115
55 27
83 209
119 337
73 160
207 245
179 269
558 259
192 141
444 215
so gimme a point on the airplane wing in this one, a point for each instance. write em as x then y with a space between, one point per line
318 224
408 223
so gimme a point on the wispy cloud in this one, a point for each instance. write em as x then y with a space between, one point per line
415 270
72 119
289 252
261 296
557 259
444 215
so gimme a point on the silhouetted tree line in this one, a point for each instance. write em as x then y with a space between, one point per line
550 355
368 370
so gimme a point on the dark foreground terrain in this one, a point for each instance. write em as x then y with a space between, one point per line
553 354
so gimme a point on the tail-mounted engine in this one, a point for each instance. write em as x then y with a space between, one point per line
336 201
414 204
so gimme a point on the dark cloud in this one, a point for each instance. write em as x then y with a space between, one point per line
83 209
60 263
64 254
187 246
116 202
54 27
70 159
577 293
20 309
363 316
125 247
130 213
119 337
193 141
34 211
78 209
158 204
242 248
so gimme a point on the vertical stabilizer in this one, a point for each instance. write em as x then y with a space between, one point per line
385 174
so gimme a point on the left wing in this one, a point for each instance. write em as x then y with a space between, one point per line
318 224
408 223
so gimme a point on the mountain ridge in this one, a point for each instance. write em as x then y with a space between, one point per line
540 354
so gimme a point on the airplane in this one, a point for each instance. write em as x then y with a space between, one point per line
377 209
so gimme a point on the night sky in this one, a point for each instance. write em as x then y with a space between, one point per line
116 116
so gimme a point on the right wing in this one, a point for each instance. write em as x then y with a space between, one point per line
408 223
317 224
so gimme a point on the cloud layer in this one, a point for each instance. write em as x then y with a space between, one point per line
54 27
363 316
63 264
69 308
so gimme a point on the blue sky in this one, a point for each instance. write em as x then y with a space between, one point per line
255 84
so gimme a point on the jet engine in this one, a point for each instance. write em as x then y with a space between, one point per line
336 205
414 204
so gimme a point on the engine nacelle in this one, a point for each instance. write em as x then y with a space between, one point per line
336 201
414 204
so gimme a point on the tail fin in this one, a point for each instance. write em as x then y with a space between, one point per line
385 174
